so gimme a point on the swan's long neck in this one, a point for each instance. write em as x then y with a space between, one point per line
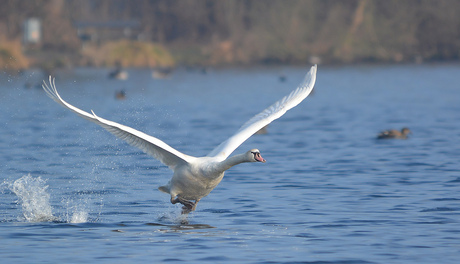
232 161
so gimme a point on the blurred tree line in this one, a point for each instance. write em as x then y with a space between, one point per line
255 31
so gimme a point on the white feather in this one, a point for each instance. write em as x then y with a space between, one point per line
265 117
151 145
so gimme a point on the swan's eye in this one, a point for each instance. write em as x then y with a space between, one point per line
258 157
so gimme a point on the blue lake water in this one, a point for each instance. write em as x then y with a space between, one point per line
329 193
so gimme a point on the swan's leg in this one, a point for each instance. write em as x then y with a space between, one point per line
188 205
194 205
186 209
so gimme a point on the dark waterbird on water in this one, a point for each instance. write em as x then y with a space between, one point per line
195 177
394 134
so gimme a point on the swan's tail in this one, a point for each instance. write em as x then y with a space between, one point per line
164 188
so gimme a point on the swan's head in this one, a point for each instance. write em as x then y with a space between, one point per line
254 156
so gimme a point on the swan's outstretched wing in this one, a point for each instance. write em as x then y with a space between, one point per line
266 117
150 145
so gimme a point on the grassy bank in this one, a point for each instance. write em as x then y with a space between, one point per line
12 57
127 54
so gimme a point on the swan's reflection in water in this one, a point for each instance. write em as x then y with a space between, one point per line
184 225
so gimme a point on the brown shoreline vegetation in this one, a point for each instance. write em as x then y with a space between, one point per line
126 53
11 56
239 32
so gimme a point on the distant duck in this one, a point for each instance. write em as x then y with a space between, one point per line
389 134
118 74
162 73
120 95
282 77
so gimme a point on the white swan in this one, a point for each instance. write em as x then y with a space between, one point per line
196 177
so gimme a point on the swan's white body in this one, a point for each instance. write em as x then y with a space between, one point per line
196 177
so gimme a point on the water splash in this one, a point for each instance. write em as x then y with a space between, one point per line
175 217
75 211
79 217
34 198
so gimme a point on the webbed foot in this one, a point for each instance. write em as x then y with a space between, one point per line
188 207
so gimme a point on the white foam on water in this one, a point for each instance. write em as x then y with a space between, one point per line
79 217
75 211
34 198
174 216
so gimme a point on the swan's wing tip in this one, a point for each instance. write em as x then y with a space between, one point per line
50 80
312 71
51 90
265 117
